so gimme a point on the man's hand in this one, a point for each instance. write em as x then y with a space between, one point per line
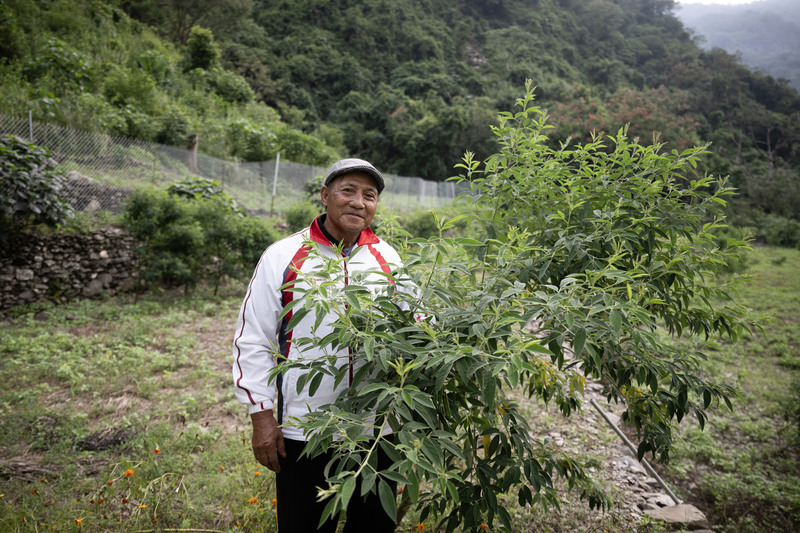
267 440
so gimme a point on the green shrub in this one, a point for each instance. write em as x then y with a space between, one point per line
300 215
68 69
193 235
30 187
230 86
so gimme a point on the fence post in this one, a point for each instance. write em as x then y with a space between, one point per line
30 125
275 184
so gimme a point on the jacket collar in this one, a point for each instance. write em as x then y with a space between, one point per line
318 235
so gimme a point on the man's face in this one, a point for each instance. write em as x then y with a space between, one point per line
351 201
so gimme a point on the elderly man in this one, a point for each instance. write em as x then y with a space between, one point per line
350 194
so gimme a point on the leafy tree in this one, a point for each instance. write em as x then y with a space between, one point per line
588 258
202 51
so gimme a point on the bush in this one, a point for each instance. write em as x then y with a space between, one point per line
230 86
30 187
300 215
67 69
189 238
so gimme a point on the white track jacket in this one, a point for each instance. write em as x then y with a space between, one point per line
260 337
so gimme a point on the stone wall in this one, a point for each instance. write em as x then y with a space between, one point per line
37 267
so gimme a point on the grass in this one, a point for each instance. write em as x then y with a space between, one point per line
96 390
744 469
121 418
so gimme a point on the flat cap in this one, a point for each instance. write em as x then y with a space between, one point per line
346 166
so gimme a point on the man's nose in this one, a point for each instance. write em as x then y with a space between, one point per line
357 200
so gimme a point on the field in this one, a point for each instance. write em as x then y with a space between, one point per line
118 415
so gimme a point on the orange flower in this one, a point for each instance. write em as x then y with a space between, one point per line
222 467
34 491
274 501
44 480
78 521
253 499
258 474
156 451
420 526
100 500
142 506
400 490
484 527
129 472
110 482
124 500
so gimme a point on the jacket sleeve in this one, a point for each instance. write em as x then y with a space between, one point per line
255 344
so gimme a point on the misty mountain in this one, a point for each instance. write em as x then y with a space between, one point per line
765 34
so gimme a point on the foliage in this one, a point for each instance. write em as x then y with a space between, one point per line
68 69
30 187
300 215
202 51
186 241
444 70
743 470
585 256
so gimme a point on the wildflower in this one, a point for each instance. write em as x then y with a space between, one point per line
143 506
274 501
155 520
420 526
253 499
129 472
110 482
484 527
78 521
258 473
44 480
99 500
34 491
400 490
91 501
124 500
156 451
222 467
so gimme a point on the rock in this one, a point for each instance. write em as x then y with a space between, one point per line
661 500
680 515
630 463
79 179
24 274
93 206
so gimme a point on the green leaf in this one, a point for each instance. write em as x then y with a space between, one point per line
579 341
348 487
615 317
388 499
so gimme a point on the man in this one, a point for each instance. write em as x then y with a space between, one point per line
350 194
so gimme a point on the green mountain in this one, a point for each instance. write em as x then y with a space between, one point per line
766 33
408 84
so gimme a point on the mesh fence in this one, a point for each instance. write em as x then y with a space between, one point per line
102 170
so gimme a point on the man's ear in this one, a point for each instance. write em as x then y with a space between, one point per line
323 194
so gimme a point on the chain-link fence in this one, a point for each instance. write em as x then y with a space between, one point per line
102 170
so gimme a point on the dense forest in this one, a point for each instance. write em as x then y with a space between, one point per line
407 84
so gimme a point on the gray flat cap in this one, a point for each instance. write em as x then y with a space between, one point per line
346 166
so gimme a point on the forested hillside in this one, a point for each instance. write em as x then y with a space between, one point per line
408 84
766 33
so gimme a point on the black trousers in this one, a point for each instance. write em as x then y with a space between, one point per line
298 508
